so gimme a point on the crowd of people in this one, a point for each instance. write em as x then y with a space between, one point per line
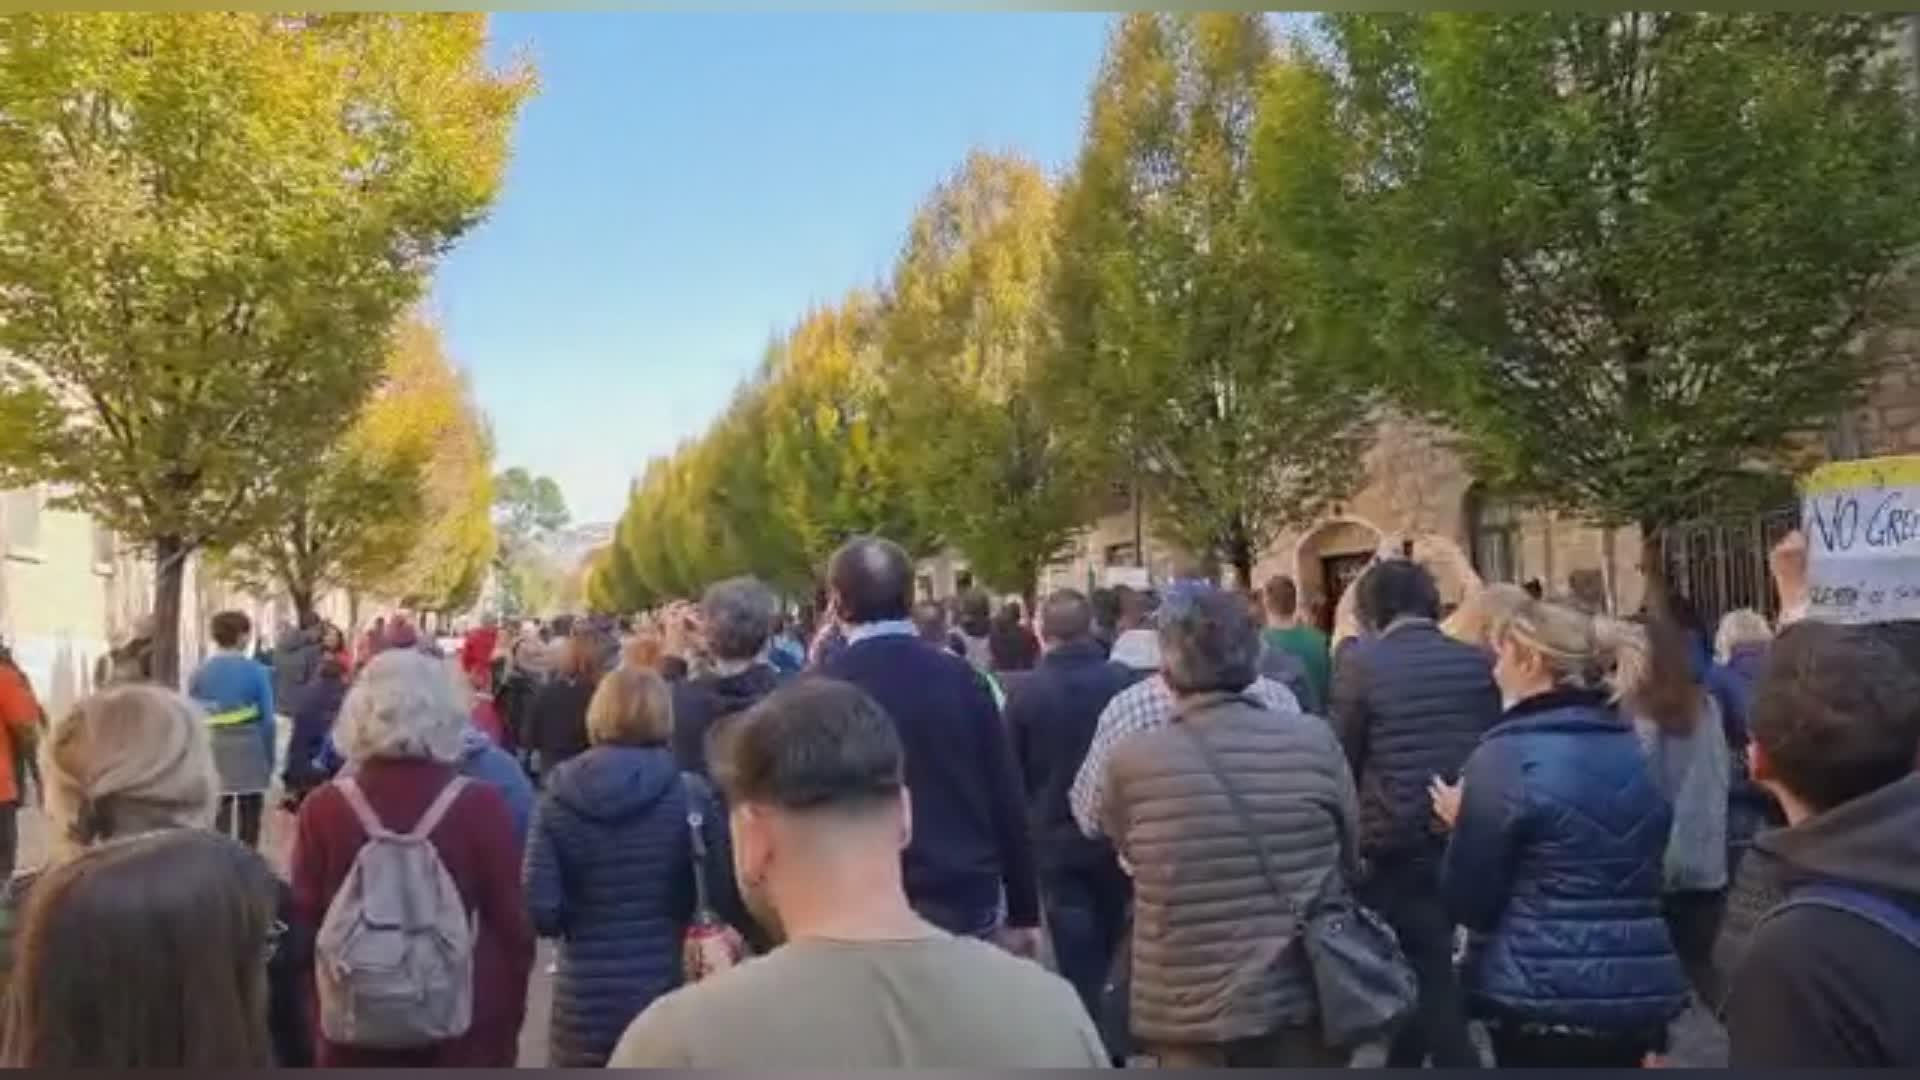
1181 827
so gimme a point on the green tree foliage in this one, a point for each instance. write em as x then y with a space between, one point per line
429 398
1181 340
361 507
829 464
1624 256
527 509
208 223
967 334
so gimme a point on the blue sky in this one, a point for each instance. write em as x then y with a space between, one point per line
685 185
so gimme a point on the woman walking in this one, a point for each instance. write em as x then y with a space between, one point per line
559 713
609 867
150 952
402 730
134 761
1559 835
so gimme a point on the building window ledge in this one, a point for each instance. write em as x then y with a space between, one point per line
26 555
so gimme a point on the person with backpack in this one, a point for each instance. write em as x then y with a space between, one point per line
609 868
445 983
1822 943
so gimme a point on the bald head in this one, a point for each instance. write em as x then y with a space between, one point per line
1065 617
872 580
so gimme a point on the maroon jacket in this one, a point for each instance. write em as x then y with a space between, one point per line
476 842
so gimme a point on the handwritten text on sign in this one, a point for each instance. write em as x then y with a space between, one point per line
1862 523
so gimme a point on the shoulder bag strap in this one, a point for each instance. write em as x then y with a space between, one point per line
695 790
1248 825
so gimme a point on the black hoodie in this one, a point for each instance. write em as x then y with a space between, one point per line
1814 986
700 703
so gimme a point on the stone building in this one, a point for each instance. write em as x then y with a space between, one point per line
70 590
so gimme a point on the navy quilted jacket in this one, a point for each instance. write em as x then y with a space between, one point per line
1408 705
1555 865
609 874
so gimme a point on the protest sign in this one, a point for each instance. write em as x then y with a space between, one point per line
1862 524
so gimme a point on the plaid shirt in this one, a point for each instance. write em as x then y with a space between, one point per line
1145 706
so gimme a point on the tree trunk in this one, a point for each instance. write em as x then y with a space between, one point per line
169 583
302 596
1240 556
353 611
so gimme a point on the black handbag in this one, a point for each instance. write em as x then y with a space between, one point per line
1362 980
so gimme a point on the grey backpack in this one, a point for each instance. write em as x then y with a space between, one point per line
394 955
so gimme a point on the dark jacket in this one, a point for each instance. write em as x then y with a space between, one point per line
970 838
1732 685
1408 706
609 873
1215 954
315 708
482 759
558 720
1817 987
700 703
1052 714
1555 864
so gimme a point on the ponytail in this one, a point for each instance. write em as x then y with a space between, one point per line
1623 661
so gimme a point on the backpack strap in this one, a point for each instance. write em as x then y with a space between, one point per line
357 802
442 802
1893 917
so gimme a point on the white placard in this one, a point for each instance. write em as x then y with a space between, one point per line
1862 524
1134 577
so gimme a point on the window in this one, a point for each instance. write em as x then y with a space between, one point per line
1122 555
1493 527
20 510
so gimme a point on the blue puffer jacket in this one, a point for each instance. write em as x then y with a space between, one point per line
609 874
1555 865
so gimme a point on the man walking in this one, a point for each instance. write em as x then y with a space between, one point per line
1052 714
969 868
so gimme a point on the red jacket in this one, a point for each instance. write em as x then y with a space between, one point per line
476 655
476 842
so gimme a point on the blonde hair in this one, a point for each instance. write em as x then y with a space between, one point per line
631 707
1474 619
1588 652
128 760
404 704
645 650
1743 626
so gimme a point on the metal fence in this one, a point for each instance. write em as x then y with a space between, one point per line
1720 564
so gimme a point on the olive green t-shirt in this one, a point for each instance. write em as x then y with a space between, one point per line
940 1002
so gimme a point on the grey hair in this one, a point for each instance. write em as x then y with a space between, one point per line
1208 642
739 614
1741 627
404 704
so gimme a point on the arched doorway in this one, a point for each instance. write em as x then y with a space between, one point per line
1328 559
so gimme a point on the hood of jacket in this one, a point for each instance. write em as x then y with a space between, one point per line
732 693
473 743
1137 649
613 783
1873 841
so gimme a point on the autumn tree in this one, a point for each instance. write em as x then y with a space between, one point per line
208 223
447 563
1181 348
1627 256
967 334
828 462
361 507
